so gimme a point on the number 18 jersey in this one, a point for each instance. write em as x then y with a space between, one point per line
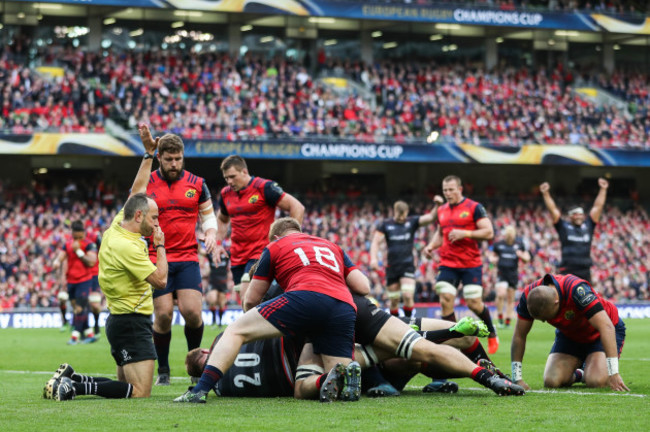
301 262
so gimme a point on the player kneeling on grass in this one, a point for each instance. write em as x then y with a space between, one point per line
589 334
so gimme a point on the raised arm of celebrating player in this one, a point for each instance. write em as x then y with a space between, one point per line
545 190
597 209
144 172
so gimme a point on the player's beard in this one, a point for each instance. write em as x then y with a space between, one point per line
171 176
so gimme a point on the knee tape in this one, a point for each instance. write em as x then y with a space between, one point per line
443 287
305 371
245 278
393 294
472 291
503 285
408 288
405 347
95 297
369 355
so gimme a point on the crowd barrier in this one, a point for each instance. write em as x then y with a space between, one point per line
51 318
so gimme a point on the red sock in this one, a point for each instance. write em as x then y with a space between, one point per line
394 312
507 321
408 311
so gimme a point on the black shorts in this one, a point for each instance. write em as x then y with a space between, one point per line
510 277
130 337
219 283
181 275
370 320
396 272
581 272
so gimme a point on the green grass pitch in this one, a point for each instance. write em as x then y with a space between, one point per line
29 357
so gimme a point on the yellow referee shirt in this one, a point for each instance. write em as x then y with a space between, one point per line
124 265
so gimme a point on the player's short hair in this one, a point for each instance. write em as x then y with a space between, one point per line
235 161
510 229
170 143
539 300
453 178
77 226
400 207
193 364
139 201
281 226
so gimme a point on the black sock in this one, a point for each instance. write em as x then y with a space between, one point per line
476 352
109 389
507 321
451 317
213 309
161 342
481 376
408 311
76 377
221 312
372 377
193 336
96 316
440 336
394 312
487 319
63 308
79 321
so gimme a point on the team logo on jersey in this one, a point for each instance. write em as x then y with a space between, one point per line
253 199
464 214
569 315
190 193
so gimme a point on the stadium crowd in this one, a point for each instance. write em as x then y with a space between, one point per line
212 95
35 223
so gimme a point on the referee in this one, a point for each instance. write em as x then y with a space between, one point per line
576 234
126 276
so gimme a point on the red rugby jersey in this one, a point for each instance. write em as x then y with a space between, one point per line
463 253
95 238
301 262
251 211
578 302
77 270
178 208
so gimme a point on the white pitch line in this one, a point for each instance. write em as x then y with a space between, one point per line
558 392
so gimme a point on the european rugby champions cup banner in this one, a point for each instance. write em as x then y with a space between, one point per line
322 149
434 13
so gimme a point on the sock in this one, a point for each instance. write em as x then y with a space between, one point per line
79 320
507 321
408 311
476 352
96 316
221 312
439 336
487 319
481 376
208 379
394 312
64 309
321 380
87 379
372 377
109 389
193 337
451 317
500 318
213 309
161 343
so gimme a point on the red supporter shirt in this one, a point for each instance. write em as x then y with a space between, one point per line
251 212
95 238
463 253
77 270
578 302
302 262
178 208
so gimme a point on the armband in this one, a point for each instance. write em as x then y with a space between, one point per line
612 366
516 371
80 253
208 222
